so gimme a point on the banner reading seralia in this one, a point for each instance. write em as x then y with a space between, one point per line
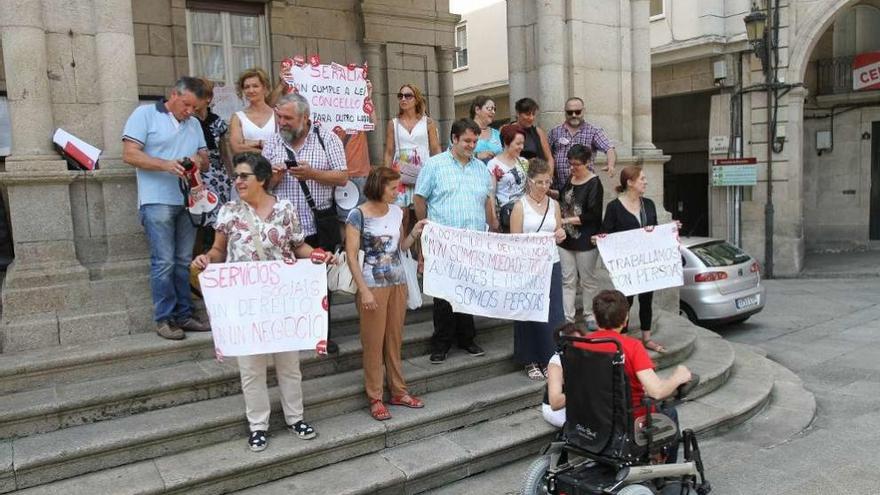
337 94
642 260
482 273
262 307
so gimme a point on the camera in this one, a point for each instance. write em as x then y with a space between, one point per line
187 164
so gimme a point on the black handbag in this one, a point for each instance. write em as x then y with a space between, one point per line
326 221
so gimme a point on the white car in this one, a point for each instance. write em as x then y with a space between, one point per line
722 283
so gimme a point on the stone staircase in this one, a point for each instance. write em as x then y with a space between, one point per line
141 415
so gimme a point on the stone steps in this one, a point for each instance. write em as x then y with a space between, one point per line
229 465
96 446
29 370
415 467
65 405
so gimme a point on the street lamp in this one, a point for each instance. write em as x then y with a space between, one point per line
756 30
761 39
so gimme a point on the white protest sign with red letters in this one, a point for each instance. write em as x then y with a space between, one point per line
337 94
262 307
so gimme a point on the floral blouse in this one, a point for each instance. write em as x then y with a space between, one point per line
280 232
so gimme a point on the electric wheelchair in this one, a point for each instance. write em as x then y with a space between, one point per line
602 448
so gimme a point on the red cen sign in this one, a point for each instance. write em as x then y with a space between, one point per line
866 71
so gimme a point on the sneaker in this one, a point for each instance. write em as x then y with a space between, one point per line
438 357
332 347
258 440
474 350
168 331
193 325
303 430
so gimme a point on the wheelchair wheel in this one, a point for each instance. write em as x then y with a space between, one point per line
636 490
535 480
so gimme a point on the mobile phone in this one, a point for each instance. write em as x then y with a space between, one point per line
291 163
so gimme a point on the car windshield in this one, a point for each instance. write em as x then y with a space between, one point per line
719 253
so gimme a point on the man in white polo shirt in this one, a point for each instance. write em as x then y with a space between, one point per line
156 140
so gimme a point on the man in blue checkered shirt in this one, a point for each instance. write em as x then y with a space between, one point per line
321 166
454 189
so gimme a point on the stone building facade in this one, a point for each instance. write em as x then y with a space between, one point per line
81 262
824 199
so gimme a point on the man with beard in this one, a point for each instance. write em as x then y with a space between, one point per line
575 130
302 151
454 189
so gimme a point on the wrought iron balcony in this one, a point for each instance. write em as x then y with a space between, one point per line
834 75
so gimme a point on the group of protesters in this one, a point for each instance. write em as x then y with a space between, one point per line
274 171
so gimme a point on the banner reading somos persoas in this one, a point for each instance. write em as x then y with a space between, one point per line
261 307
642 260
482 273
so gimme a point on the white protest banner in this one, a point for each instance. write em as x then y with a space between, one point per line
337 94
642 260
487 274
261 307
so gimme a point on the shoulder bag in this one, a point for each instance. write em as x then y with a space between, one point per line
326 223
339 276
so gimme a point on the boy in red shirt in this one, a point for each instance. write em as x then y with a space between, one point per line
612 314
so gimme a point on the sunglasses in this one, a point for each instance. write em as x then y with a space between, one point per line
572 113
405 96
242 176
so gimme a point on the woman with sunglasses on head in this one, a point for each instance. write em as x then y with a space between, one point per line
536 144
410 139
489 141
631 210
260 227
250 127
536 211
508 172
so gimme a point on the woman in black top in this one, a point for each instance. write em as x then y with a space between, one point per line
536 144
581 202
631 210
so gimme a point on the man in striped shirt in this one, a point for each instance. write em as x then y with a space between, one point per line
454 189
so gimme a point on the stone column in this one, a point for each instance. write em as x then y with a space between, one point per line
447 92
517 68
642 141
377 76
27 87
551 64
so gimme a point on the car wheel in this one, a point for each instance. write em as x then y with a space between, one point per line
687 312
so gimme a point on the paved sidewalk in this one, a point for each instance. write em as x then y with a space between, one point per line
827 332
858 264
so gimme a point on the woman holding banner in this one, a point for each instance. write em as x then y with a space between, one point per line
631 210
259 227
537 212
376 228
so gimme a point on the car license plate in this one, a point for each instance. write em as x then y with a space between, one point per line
747 302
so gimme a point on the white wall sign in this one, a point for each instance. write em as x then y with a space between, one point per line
642 260
262 307
482 273
718 145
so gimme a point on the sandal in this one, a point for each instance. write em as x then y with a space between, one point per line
653 346
534 372
303 430
378 410
407 401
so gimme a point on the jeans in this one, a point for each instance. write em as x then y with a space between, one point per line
578 270
171 236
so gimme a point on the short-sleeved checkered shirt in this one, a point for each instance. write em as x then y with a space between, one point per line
329 157
561 141
455 194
